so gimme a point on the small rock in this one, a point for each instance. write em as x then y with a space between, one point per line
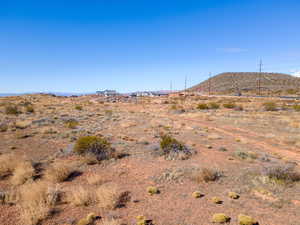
22 124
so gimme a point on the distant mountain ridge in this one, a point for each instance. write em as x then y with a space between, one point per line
235 82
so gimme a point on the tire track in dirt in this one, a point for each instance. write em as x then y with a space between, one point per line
251 137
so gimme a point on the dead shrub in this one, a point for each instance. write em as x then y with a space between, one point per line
58 172
109 197
270 106
110 222
95 179
206 175
37 201
12 109
80 196
22 173
8 163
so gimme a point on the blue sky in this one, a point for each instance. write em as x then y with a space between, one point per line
128 45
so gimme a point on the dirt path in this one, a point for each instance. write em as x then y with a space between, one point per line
250 137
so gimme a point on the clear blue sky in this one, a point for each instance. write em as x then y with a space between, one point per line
128 45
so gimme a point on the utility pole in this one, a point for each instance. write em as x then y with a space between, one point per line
259 77
185 85
209 84
171 87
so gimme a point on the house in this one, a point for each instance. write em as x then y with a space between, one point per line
108 93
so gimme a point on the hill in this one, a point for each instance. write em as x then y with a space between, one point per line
248 82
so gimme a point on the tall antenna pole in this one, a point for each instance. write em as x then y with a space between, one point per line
209 84
171 87
259 77
185 84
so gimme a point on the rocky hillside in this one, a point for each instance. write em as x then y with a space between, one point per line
247 82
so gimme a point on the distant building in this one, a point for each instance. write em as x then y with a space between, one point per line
108 93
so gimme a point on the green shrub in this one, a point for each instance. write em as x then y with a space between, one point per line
96 146
296 108
173 149
12 110
202 106
78 107
214 105
229 105
270 106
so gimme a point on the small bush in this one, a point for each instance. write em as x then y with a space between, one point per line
8 163
270 106
95 179
173 149
88 220
78 107
58 172
229 105
245 155
206 175
37 201
281 173
3 127
152 190
214 105
109 197
12 110
202 106
96 146
22 173
80 196
296 108
29 109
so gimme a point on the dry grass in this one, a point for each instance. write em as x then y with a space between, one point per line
80 196
206 175
37 201
95 179
22 173
8 163
110 222
58 172
109 197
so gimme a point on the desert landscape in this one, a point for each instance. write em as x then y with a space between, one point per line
171 160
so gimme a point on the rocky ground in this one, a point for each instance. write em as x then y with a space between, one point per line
245 148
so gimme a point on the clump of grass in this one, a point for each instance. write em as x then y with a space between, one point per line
229 105
29 108
202 106
58 172
8 163
3 127
109 197
281 173
37 201
95 179
88 220
152 190
245 155
98 147
22 173
296 108
80 196
206 175
173 149
213 105
78 107
12 109
270 106
220 218
71 124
